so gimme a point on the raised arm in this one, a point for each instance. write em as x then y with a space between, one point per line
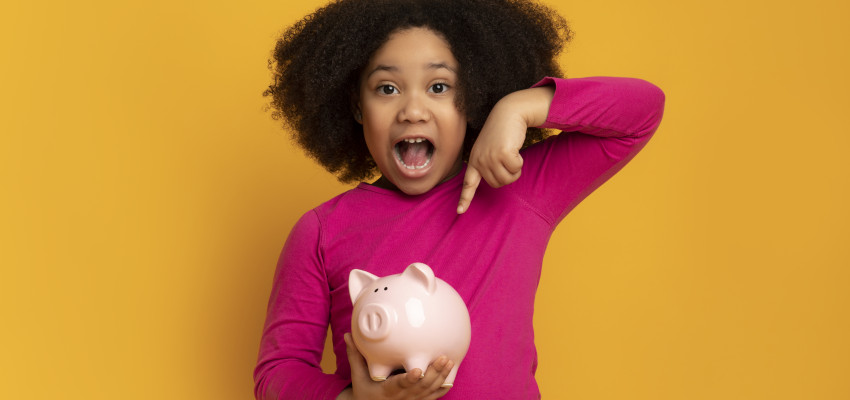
604 106
614 117
297 320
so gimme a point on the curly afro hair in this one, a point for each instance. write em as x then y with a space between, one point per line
501 46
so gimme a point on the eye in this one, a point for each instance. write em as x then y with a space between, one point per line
387 89
439 88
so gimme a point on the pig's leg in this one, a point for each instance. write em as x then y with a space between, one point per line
379 372
450 380
417 362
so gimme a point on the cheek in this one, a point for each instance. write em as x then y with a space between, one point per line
376 142
372 137
457 127
375 120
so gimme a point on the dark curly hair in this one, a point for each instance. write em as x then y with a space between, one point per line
501 46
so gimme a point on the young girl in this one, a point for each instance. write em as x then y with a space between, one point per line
411 89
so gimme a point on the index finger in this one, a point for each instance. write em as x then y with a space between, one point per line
470 184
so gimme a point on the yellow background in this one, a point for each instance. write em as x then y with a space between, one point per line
146 194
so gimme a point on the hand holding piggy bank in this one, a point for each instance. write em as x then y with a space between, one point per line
407 320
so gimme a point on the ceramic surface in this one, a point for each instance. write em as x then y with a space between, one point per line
407 320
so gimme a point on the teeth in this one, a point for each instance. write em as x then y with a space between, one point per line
428 161
398 157
416 167
412 140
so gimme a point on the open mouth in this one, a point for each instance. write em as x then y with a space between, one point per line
414 153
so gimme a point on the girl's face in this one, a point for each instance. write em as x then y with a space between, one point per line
412 127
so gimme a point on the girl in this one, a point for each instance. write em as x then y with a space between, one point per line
411 89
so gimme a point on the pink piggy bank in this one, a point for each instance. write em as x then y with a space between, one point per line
407 320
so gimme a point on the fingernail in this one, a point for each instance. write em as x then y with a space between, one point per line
460 209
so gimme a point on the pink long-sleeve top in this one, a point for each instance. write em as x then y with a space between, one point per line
492 255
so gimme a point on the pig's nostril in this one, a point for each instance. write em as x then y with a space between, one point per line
376 321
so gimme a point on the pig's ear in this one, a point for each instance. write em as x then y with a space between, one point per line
357 279
422 273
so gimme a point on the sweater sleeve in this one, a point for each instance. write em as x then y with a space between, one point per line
605 122
288 366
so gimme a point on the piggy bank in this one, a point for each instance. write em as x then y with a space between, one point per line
407 320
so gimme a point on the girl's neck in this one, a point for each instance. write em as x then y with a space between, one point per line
384 183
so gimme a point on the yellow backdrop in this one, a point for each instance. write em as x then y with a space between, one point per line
146 194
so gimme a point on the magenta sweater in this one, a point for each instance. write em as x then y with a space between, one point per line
492 255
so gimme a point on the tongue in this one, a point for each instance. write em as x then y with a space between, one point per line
414 154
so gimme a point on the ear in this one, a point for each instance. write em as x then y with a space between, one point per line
422 273
356 110
357 280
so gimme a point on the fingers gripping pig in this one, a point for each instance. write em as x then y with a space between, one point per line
407 320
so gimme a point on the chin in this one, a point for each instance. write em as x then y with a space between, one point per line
415 188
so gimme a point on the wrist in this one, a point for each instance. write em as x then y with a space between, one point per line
531 105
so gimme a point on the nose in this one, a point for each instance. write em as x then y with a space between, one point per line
414 109
376 321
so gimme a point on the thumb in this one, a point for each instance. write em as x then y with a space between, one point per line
470 185
355 359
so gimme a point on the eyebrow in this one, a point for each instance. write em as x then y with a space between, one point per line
441 65
382 68
392 68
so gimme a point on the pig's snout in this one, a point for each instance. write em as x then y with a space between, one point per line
376 321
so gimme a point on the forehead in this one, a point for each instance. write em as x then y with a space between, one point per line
412 48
